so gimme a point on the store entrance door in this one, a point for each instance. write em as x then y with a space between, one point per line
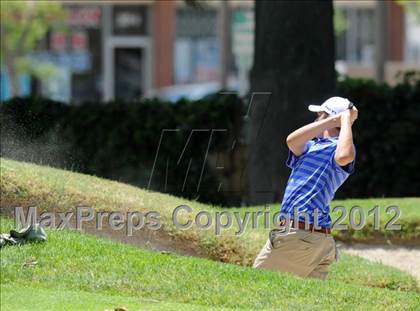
129 73
127 68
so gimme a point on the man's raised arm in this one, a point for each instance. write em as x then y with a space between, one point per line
345 153
296 140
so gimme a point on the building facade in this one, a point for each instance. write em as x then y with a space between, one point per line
129 49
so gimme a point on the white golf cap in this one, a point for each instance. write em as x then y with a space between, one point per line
332 106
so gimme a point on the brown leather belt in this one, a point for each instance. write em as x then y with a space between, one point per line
301 226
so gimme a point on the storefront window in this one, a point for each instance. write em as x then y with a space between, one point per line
412 54
356 43
196 46
76 52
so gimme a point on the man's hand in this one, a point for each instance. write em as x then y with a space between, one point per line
351 113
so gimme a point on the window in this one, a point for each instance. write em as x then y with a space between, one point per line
196 46
356 42
412 51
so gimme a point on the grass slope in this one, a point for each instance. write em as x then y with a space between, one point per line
24 184
41 299
74 270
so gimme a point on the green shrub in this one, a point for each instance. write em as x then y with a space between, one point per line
387 138
119 140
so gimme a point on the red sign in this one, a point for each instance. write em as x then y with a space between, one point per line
58 41
84 16
79 40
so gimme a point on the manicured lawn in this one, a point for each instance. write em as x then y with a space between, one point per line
24 184
105 274
52 299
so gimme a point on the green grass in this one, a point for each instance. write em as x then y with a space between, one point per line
53 299
108 273
24 184
74 270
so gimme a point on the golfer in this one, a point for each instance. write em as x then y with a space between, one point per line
321 156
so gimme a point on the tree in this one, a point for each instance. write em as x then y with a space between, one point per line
411 7
23 24
294 61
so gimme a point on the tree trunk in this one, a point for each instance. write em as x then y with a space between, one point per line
294 61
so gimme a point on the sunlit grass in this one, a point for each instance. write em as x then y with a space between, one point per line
24 184
103 273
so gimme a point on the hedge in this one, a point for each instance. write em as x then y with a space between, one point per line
119 140
387 138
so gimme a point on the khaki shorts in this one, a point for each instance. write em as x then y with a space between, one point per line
300 252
